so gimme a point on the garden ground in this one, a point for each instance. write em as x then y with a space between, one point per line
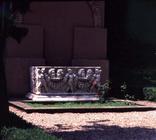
95 126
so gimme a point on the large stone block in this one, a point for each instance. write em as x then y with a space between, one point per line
56 79
18 74
55 83
30 46
90 43
104 64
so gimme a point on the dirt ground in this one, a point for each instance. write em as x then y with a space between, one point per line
95 126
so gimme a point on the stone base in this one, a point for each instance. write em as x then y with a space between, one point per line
59 98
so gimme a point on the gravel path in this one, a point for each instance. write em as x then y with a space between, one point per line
95 126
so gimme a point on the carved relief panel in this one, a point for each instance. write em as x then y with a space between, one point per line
48 79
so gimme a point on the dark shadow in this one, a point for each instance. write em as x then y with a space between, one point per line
67 127
63 127
90 110
99 121
97 131
16 121
131 49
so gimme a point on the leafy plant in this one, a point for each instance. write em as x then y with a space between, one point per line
123 88
129 97
124 91
103 89
25 134
150 93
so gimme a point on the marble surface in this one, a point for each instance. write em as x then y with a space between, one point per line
68 83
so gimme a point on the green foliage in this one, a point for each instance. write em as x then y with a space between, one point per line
124 92
150 93
25 134
123 88
103 89
129 97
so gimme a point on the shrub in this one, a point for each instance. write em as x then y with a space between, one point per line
123 89
25 134
150 93
103 89
125 92
129 97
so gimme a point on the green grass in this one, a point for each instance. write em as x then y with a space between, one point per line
81 104
14 133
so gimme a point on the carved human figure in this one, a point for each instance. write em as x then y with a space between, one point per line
89 75
37 81
96 79
51 76
81 74
70 78
41 85
51 73
59 79
90 78
60 73
81 79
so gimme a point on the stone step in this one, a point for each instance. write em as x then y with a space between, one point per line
59 98
69 94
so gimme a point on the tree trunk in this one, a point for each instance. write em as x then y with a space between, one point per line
4 113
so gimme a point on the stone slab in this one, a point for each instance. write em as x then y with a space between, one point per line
53 98
90 43
21 104
18 75
104 64
30 46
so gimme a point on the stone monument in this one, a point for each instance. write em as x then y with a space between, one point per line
58 83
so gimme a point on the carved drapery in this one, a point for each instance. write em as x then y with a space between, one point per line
48 79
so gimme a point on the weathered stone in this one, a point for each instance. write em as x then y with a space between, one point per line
77 83
103 63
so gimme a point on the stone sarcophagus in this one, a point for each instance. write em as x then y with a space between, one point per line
58 83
